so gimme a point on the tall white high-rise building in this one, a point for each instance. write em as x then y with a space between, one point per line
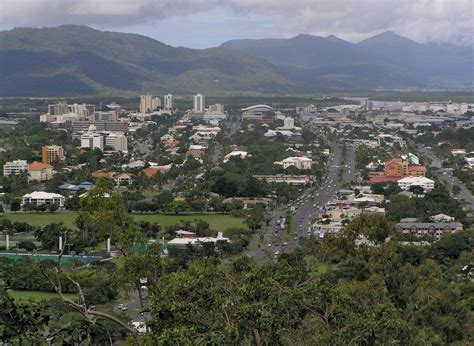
168 101
199 103
155 103
146 104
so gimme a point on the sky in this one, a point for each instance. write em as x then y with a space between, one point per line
209 23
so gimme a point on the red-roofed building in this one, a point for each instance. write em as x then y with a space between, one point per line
399 167
153 170
383 179
100 174
38 171
171 143
417 170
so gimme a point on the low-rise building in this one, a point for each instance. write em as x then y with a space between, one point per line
298 162
40 197
15 167
425 183
184 238
289 179
433 229
38 171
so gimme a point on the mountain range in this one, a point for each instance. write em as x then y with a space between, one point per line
79 60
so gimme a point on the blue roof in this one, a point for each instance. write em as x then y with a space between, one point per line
67 186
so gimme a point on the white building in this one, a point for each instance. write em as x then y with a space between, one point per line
41 197
155 103
146 104
168 101
116 141
199 103
15 167
298 162
235 153
425 183
92 139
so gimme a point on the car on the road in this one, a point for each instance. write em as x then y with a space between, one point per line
269 245
284 244
277 252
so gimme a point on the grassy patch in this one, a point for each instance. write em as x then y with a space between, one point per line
36 296
216 221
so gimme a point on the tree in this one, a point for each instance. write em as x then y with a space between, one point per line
417 189
49 235
15 205
21 323
373 226
106 213
254 218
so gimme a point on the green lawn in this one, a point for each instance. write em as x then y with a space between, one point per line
216 222
36 295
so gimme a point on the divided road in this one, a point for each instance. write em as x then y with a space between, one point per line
276 239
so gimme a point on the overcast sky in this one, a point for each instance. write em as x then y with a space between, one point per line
208 23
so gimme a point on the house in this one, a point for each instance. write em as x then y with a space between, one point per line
38 171
124 179
236 153
433 229
298 162
100 174
425 183
43 198
196 151
458 152
153 170
170 143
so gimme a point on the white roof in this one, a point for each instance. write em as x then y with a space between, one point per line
292 159
42 195
416 180
192 241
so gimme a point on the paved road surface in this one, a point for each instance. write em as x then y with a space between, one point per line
276 240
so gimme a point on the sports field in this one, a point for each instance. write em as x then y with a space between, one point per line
36 296
218 222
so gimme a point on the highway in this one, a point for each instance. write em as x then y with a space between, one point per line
277 240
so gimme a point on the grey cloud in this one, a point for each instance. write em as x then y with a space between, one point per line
422 20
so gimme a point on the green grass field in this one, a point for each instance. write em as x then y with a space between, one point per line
216 222
36 296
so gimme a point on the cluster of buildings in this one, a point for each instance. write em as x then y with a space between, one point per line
36 171
406 171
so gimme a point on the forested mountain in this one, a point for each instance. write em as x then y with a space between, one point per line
78 60
70 60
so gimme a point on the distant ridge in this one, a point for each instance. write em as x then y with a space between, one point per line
386 60
79 60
